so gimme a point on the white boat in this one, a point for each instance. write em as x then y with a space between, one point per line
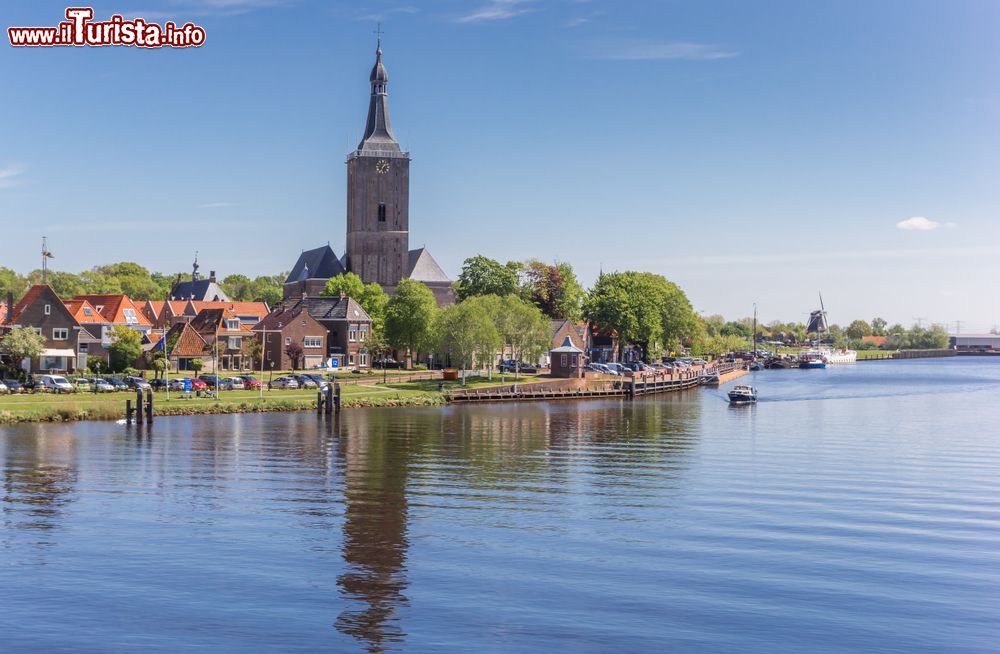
840 356
742 394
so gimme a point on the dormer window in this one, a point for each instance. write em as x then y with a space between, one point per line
232 323
87 311
130 317
100 308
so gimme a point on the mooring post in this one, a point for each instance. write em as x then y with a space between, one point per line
329 399
319 402
138 406
149 406
128 412
336 398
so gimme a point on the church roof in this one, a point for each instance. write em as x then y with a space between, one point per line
378 130
332 308
320 263
422 267
201 289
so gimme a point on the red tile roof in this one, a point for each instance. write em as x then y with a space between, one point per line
29 298
83 311
113 308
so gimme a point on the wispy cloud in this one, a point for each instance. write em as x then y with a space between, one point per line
640 49
495 10
784 258
184 9
921 224
10 175
380 15
216 205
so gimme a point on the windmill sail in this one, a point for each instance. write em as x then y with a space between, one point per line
817 322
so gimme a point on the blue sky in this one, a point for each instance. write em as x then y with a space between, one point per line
750 151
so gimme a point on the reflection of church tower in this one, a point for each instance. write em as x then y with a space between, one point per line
375 540
378 194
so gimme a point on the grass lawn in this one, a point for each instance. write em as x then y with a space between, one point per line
470 382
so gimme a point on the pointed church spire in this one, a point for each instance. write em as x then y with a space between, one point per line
378 131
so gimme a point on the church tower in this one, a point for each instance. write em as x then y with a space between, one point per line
378 194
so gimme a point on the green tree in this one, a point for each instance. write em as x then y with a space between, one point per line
465 331
733 328
196 365
13 283
65 284
239 288
125 348
22 343
523 328
269 289
858 330
552 288
484 276
409 318
133 280
878 326
372 298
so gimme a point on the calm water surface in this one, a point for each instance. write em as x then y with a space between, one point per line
853 509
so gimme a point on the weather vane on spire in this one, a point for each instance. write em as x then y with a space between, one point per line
378 35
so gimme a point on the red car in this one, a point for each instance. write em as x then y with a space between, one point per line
250 382
198 385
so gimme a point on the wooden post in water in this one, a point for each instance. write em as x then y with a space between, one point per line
336 398
128 412
319 402
138 406
329 399
149 406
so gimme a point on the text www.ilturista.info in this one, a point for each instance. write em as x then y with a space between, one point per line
79 30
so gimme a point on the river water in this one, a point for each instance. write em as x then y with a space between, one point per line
855 509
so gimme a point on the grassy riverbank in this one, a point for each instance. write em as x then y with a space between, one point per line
46 407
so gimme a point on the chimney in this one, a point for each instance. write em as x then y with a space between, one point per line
10 304
211 276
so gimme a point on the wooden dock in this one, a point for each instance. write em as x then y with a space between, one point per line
590 388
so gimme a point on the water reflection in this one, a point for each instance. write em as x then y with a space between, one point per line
375 542
40 475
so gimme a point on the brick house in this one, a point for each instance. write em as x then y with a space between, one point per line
282 328
171 312
43 311
94 339
347 325
214 334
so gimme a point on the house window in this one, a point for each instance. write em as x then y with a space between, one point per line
37 330
60 334
85 347
563 360
364 358
48 309
235 342
130 318
381 212
364 333
312 341
100 308
352 335
87 311
233 323
350 359
288 340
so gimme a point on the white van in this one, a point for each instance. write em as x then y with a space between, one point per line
57 384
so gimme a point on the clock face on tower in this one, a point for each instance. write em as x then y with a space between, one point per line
382 166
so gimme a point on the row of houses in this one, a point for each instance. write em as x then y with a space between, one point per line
224 335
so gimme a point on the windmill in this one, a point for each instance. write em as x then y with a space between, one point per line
817 320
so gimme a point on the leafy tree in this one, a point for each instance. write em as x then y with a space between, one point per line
133 280
734 328
484 276
22 343
372 298
196 365
269 289
96 282
714 324
255 350
348 283
13 283
409 317
523 328
858 330
552 288
878 326
239 288
294 352
125 348
465 331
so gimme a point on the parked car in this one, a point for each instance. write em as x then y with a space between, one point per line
57 384
31 385
284 383
196 385
158 384
234 383
13 385
137 383
250 382
616 368
98 385
118 383
3 388
211 381
314 378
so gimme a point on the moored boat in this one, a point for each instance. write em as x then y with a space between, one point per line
810 359
743 394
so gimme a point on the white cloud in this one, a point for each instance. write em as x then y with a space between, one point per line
496 10
10 175
921 224
652 50
216 205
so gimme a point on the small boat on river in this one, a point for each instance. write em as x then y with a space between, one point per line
812 359
743 394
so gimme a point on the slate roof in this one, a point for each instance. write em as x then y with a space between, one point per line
332 308
422 267
567 346
280 318
321 263
378 129
202 289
